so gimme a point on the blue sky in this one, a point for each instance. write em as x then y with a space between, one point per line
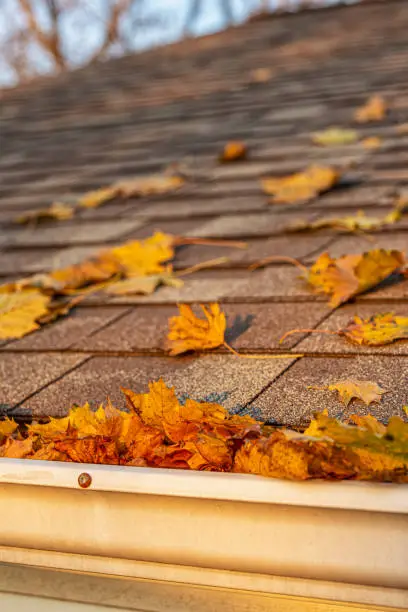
82 34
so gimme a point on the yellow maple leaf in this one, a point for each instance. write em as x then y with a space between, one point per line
380 329
352 223
363 390
302 186
144 285
349 275
187 332
93 199
233 151
20 312
148 185
57 211
335 136
145 257
374 109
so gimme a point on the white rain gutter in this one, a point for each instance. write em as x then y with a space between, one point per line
243 535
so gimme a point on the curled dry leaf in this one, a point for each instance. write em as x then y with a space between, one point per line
352 223
148 185
233 151
374 109
93 199
159 431
378 330
364 390
57 211
187 332
335 136
350 275
300 187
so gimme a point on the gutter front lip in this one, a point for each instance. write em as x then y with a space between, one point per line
247 488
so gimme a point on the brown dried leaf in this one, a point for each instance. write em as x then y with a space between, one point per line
57 211
363 390
148 185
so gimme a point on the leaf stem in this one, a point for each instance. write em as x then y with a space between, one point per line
279 356
277 258
180 240
307 331
203 265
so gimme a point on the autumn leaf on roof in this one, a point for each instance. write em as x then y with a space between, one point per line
93 199
364 390
261 75
335 136
20 312
57 211
374 109
233 151
144 285
352 223
378 330
345 277
143 257
301 187
373 142
148 185
89 272
187 332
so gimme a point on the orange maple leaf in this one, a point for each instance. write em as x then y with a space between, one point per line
347 276
233 151
374 109
190 333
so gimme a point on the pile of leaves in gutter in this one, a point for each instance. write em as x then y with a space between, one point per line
157 430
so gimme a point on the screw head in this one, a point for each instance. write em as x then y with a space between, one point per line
84 480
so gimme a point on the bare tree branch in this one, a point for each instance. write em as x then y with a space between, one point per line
51 41
112 32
